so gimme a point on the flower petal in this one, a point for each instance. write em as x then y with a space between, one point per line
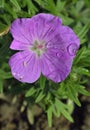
65 40
70 36
56 65
46 24
39 27
20 30
17 45
25 66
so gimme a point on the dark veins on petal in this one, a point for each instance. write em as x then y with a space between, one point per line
51 27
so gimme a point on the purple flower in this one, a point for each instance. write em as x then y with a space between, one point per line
45 46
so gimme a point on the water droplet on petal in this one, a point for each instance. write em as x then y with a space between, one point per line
48 45
24 63
58 54
18 76
14 73
21 77
72 49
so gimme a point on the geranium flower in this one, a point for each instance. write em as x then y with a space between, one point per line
45 46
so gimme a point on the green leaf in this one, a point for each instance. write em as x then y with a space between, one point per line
1 86
42 81
56 111
5 75
4 29
81 89
87 2
57 107
70 105
61 90
60 5
83 31
63 108
48 96
83 57
16 4
23 14
39 2
10 13
79 55
2 2
30 115
66 20
30 92
40 97
50 6
67 115
31 7
84 40
83 71
79 5
49 116
4 50
4 18
72 94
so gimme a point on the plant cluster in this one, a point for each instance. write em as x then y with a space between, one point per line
54 98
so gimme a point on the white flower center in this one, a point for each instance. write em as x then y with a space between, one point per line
39 47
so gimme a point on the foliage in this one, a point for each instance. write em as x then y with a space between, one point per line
52 97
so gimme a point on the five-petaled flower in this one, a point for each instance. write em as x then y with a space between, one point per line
45 46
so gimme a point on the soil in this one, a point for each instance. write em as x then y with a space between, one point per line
13 116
